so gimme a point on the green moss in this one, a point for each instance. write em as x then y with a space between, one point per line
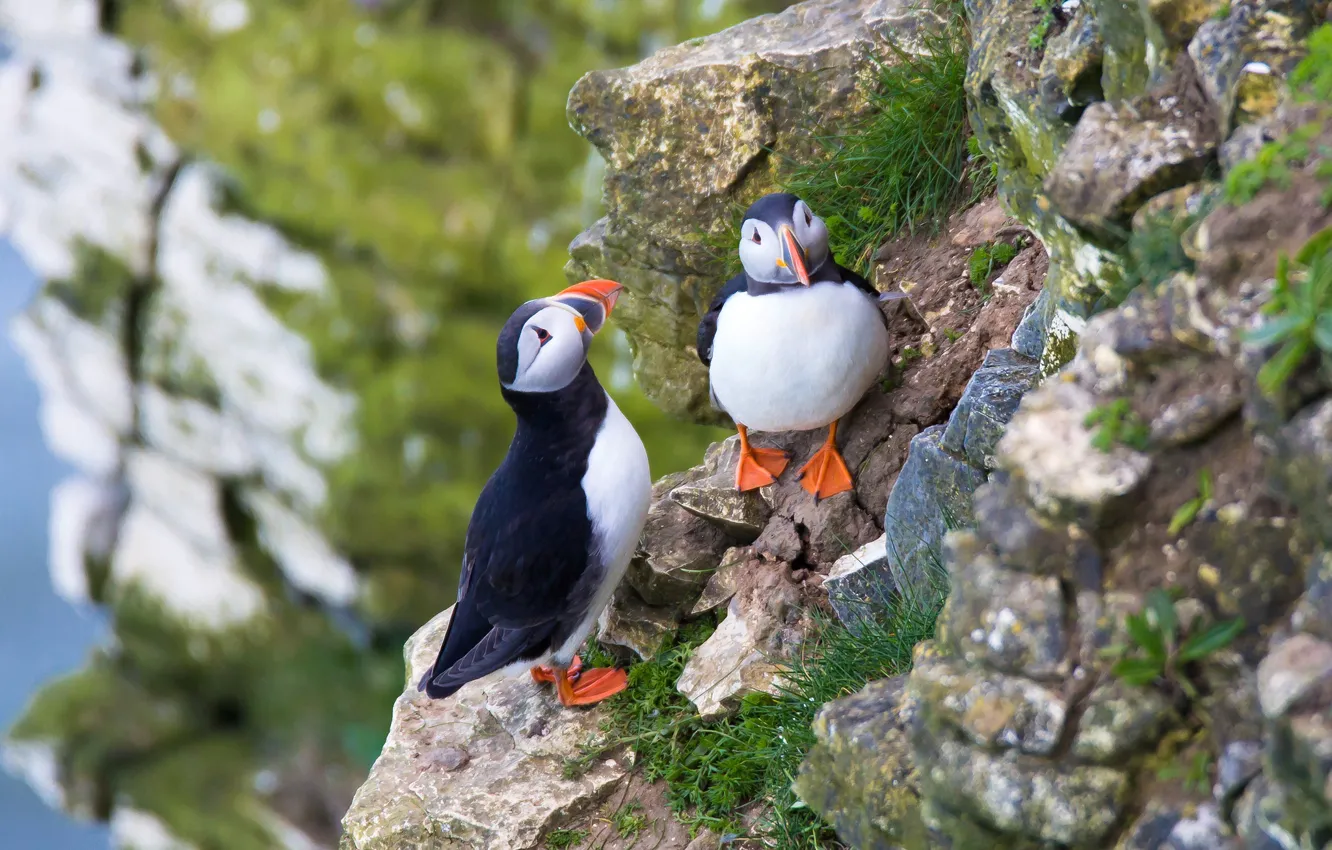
906 167
986 261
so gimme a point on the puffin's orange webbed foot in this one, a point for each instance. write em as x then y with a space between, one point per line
757 467
825 474
592 686
546 673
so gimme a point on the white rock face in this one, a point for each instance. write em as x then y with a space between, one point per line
225 389
133 829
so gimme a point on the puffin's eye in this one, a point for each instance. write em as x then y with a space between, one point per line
757 239
809 217
543 336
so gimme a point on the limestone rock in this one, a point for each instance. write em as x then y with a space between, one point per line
858 776
509 790
932 495
631 624
1073 60
762 627
1029 338
1118 721
1297 670
1161 827
677 553
692 129
987 404
1313 614
1028 542
1079 480
1120 155
725 581
714 498
859 584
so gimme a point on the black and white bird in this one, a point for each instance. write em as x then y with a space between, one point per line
792 343
557 523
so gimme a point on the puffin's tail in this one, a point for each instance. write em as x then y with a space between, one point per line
498 649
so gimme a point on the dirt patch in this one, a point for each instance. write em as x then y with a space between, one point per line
635 817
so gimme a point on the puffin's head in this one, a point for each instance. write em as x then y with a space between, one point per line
544 343
782 241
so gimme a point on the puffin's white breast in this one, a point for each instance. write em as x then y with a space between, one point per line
618 486
797 359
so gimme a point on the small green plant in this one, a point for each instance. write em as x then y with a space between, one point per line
1117 424
558 839
1156 653
1188 511
1299 314
1312 78
952 334
909 355
1222 12
1196 773
629 820
986 260
1036 41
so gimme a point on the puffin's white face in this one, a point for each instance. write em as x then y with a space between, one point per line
552 346
544 343
788 254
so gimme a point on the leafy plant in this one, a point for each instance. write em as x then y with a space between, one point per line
558 839
1036 41
1156 652
907 165
629 820
1300 312
988 259
1117 424
1188 511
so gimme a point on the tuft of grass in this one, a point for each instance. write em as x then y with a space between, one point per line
629 820
1117 424
712 770
907 165
986 260
558 839
1039 33
1299 314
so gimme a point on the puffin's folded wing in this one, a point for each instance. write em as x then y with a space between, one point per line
498 649
707 327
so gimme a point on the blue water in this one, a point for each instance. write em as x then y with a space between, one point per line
40 635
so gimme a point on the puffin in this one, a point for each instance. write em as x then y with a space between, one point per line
559 520
791 343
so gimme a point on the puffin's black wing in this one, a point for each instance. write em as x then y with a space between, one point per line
860 283
707 328
528 546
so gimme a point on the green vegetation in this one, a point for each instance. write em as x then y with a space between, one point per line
986 261
1299 314
1155 251
629 820
907 166
1188 511
1040 32
1196 773
558 839
1118 425
711 770
1310 82
1156 656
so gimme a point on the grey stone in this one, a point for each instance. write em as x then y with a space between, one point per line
1118 721
1240 762
1313 613
1298 668
931 495
858 776
723 583
1030 543
631 624
860 585
987 404
1029 338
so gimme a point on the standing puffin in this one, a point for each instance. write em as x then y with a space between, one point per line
792 343
557 523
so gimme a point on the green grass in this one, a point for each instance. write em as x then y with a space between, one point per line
986 261
906 166
712 770
629 820
558 839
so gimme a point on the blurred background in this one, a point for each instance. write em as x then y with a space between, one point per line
255 255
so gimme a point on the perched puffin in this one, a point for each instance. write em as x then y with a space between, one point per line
792 343
558 521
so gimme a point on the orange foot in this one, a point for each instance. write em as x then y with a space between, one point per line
544 673
826 474
757 467
592 686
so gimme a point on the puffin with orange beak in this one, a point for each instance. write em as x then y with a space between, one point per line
559 520
792 343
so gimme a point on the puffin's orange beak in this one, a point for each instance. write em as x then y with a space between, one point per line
795 255
607 292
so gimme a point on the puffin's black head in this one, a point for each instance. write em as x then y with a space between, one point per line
782 241
544 343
